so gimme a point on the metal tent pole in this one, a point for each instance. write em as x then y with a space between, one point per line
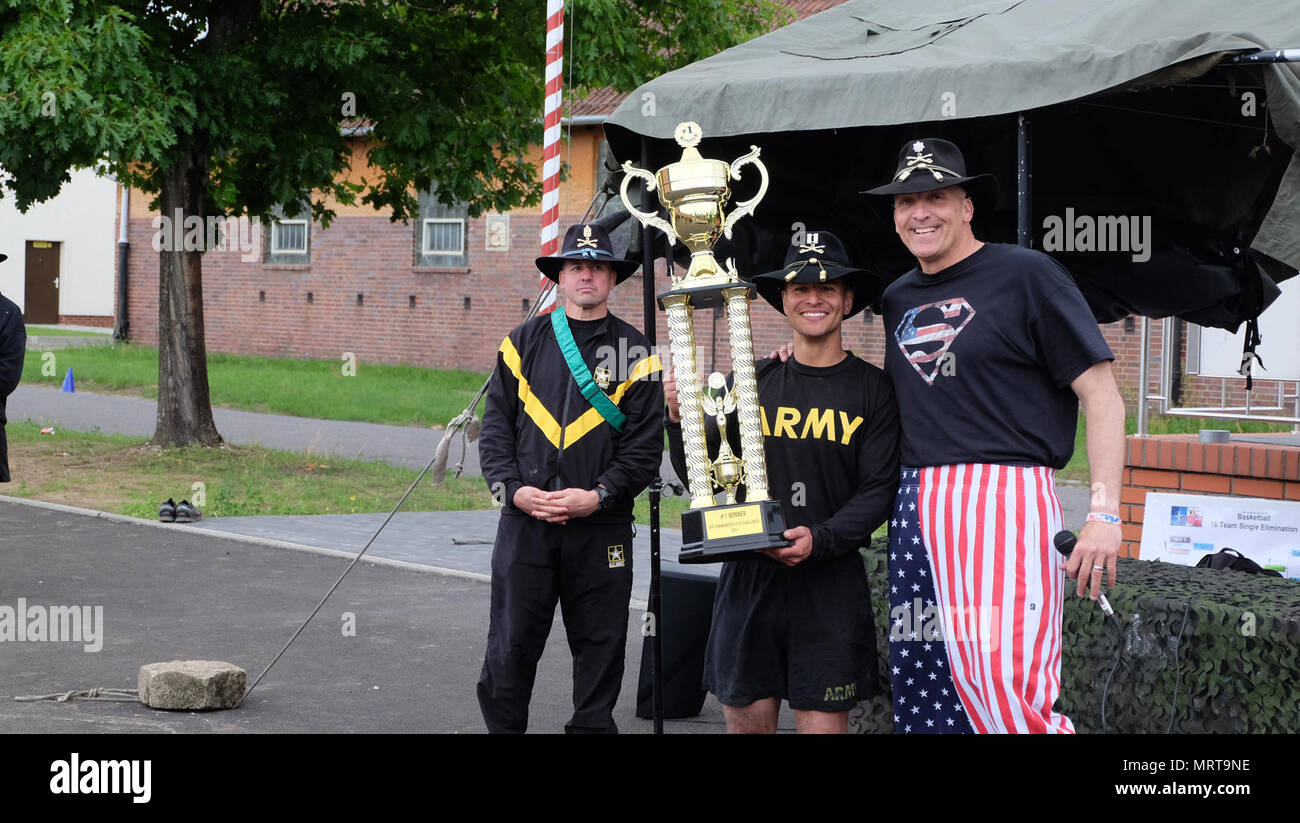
650 315
1264 56
1024 232
1144 377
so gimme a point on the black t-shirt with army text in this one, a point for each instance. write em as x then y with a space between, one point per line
982 355
830 437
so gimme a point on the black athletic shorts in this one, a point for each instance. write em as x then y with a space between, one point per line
802 634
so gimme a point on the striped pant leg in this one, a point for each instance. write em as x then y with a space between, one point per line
925 696
987 531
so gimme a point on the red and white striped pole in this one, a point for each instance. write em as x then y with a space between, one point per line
551 140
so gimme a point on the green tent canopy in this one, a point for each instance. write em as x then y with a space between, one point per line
1127 109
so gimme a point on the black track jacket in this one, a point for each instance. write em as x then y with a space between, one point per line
13 347
538 429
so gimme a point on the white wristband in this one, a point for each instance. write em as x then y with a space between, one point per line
1102 517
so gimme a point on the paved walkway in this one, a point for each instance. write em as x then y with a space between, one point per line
459 541
137 416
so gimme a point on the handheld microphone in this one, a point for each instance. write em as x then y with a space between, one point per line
1064 542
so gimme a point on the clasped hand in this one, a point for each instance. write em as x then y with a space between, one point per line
556 507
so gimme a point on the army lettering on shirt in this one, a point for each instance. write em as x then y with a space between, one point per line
816 423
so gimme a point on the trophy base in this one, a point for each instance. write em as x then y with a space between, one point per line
732 532
707 297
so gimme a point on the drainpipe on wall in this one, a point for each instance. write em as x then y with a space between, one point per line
122 327
1176 379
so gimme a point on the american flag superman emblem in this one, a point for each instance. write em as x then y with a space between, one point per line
926 332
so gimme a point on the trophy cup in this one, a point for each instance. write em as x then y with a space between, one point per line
694 191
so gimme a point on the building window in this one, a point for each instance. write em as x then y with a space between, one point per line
444 236
289 237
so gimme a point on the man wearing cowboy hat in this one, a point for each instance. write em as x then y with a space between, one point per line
796 623
13 347
570 437
993 350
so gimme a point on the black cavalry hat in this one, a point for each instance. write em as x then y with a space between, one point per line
930 163
586 242
820 258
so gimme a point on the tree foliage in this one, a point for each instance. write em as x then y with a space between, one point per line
240 107
453 91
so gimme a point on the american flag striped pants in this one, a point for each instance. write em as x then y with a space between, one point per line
975 596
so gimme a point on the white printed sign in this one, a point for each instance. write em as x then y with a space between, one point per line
1183 528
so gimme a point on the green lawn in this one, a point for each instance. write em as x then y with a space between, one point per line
398 395
123 475
59 331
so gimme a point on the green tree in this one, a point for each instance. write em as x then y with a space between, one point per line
233 107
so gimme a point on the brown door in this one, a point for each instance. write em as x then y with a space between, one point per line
41 304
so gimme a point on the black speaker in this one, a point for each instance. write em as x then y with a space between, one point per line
685 616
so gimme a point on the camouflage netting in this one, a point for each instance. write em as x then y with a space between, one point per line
1234 669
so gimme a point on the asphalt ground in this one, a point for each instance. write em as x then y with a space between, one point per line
185 592
170 594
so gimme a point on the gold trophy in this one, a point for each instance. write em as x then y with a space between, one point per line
695 191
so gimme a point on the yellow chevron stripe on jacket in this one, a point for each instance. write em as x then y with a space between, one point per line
532 405
589 419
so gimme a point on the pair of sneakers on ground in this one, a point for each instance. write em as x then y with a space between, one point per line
183 512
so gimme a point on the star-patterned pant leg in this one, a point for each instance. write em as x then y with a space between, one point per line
925 698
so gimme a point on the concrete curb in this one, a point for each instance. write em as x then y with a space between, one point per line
250 539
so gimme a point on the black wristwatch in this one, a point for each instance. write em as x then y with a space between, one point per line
605 495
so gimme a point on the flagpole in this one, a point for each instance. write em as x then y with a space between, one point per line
551 142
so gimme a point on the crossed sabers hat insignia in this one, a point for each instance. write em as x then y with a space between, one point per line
921 160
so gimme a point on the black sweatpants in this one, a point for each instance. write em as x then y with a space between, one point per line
587 568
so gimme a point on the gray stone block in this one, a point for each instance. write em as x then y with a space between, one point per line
191 685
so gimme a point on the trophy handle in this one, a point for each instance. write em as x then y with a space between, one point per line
631 172
748 206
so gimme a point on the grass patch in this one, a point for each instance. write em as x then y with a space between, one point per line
670 510
396 395
1159 424
123 475
59 331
